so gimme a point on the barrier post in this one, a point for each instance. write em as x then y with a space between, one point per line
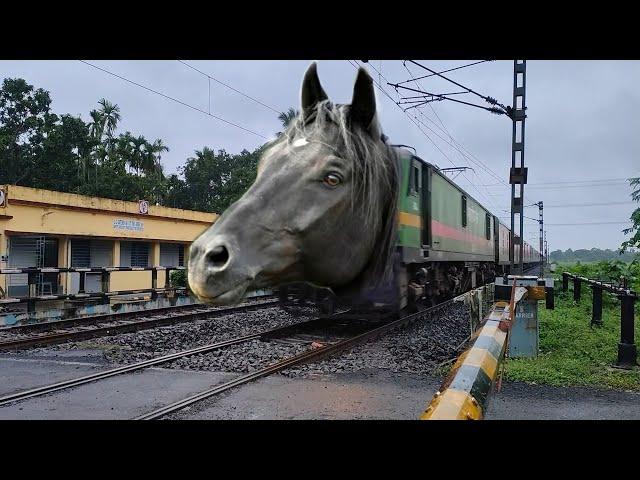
104 282
549 298
576 289
565 281
167 278
627 352
154 283
32 285
596 315
82 280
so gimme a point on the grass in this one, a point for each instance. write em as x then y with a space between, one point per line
573 353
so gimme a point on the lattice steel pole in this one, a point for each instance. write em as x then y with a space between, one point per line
518 173
541 208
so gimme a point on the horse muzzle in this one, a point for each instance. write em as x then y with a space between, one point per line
216 273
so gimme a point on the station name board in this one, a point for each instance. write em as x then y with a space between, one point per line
132 225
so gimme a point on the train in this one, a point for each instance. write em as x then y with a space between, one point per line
447 242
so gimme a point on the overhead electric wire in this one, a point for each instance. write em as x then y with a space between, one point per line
444 129
587 223
356 66
489 109
174 99
450 70
486 98
574 205
580 183
489 201
524 216
597 180
556 187
455 145
230 87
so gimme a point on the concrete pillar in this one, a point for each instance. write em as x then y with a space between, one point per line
116 254
155 262
64 246
3 264
155 254
187 251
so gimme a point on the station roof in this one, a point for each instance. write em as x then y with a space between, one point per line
19 195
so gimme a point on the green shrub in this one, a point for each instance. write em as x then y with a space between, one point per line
179 278
608 271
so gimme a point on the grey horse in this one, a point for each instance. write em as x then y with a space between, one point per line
322 209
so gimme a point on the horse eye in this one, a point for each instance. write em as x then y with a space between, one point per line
332 180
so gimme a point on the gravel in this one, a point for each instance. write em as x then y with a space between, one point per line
420 348
146 344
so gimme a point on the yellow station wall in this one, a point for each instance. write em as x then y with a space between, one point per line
29 211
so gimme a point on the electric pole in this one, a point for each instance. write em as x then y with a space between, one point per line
518 173
541 221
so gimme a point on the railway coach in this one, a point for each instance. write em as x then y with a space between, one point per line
448 242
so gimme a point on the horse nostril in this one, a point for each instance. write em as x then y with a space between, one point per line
217 256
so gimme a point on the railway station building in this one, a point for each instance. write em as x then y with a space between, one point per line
43 228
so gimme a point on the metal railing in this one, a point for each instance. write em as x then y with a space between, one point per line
104 294
627 351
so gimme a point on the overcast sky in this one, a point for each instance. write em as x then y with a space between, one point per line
582 125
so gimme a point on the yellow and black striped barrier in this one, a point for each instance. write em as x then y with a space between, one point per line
464 393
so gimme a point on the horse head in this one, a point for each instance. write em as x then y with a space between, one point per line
321 210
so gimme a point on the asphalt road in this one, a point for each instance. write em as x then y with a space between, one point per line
367 394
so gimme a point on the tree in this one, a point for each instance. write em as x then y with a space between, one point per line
110 115
24 119
287 117
213 181
152 163
64 153
634 241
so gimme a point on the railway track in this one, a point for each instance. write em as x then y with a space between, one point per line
334 334
287 332
76 329
310 355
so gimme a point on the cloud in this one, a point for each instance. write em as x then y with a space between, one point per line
582 121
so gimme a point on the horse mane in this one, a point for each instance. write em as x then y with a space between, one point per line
375 176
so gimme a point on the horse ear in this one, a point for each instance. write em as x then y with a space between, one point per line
312 92
363 104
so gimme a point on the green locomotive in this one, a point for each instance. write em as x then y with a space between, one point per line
448 242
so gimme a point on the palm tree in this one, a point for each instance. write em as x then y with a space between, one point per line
110 116
137 150
287 117
152 163
103 121
96 126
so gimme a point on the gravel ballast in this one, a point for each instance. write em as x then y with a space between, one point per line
146 344
419 348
